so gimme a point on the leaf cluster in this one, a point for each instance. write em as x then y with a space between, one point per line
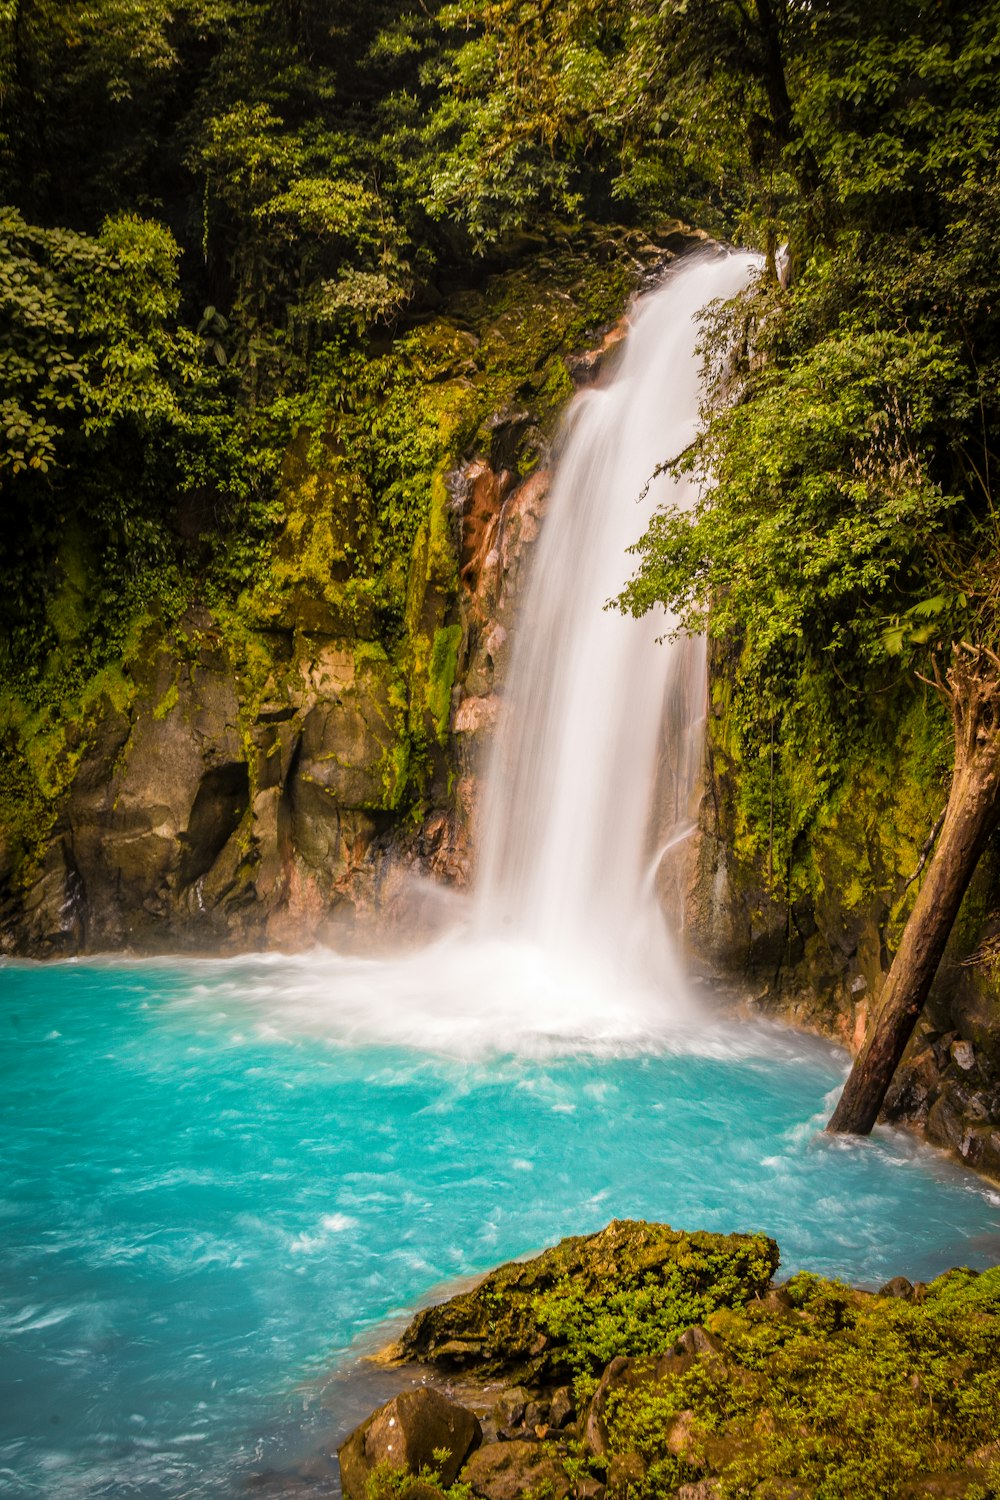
849 1396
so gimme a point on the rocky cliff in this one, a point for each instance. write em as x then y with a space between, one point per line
267 770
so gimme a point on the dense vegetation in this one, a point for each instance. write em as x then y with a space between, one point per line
215 208
221 268
229 224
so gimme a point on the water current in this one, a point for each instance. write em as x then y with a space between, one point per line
224 1179
215 1183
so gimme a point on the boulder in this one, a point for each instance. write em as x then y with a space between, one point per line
561 1407
898 1287
497 1325
506 1471
410 1432
626 1475
509 1408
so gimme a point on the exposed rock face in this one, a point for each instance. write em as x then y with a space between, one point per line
199 820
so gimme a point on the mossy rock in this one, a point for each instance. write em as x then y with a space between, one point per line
629 1288
821 1390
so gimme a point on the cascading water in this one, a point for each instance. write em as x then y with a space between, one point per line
595 699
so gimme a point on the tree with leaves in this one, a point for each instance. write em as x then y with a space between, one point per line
847 522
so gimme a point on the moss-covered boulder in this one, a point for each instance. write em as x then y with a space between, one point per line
631 1287
417 1431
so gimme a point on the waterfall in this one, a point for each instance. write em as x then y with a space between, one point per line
564 948
598 705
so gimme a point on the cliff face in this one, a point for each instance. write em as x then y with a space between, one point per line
265 771
811 938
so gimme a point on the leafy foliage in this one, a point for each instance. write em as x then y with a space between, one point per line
89 339
846 1395
647 1315
846 528
223 214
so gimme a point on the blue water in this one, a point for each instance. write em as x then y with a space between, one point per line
217 1179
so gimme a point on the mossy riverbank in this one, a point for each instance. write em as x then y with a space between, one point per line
642 1362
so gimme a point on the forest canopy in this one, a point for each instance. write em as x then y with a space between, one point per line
216 209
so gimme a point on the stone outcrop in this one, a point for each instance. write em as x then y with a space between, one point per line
200 820
780 1391
497 1327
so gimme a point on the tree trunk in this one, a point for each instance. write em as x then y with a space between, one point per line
973 811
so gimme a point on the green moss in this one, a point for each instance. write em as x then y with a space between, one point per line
442 563
68 608
845 1395
166 703
441 676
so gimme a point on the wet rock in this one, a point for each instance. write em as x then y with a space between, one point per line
222 799
506 1471
536 1415
963 1054
410 1432
597 364
508 1411
980 1147
701 1489
474 715
944 1124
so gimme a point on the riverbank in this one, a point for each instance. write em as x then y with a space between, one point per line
643 1362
